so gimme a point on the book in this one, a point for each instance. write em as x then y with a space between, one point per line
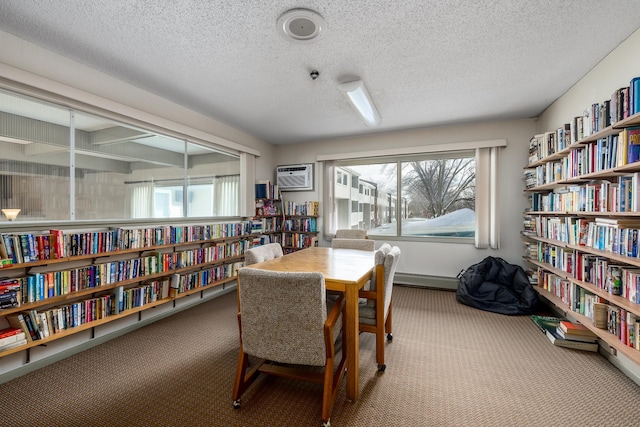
14 344
558 341
575 328
13 338
16 320
574 337
545 323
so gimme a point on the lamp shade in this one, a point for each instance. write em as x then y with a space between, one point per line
11 214
356 92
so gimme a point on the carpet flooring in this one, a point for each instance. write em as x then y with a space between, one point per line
448 365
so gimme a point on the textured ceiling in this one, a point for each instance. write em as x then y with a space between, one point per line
425 62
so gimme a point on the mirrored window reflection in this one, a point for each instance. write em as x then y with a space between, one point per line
123 172
34 165
120 171
213 182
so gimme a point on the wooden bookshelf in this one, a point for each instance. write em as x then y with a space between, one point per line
207 256
561 251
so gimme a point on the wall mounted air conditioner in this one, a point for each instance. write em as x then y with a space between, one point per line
295 177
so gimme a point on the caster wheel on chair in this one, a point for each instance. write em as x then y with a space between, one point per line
236 404
389 337
381 368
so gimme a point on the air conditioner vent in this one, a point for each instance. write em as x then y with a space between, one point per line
295 177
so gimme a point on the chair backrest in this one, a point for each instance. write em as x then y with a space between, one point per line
347 233
387 257
361 244
262 253
282 315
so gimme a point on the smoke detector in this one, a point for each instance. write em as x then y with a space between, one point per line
301 25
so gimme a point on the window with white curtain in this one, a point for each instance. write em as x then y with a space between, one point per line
448 195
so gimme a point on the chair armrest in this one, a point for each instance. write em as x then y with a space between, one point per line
329 324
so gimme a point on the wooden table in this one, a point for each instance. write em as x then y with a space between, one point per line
345 270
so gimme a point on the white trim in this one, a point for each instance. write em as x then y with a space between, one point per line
26 83
454 146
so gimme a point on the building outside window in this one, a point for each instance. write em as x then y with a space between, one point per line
435 196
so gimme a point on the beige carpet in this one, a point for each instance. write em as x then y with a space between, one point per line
448 365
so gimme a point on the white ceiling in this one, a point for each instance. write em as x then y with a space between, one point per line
426 63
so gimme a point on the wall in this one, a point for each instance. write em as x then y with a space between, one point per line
52 72
440 259
613 72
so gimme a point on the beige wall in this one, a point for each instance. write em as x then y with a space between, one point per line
613 72
441 259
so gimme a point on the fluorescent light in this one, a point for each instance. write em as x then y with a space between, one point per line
357 94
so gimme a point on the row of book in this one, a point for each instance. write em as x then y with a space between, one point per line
54 244
268 207
617 236
263 239
623 103
181 283
603 154
37 325
38 286
612 277
299 240
266 225
301 224
310 208
267 190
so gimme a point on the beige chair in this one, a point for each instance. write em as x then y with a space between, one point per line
375 306
361 244
347 233
287 324
262 253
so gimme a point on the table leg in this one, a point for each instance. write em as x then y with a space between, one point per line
351 330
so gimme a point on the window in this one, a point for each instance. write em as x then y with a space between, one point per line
62 164
435 197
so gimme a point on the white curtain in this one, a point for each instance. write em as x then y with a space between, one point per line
329 180
226 191
487 222
140 200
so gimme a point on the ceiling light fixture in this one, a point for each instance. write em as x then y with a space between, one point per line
11 214
356 92
301 25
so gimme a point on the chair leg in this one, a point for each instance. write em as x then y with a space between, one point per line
387 323
243 378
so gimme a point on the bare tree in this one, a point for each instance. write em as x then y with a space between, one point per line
439 186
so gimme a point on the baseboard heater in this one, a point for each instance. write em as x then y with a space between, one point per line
426 281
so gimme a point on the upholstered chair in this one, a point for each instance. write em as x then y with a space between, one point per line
361 244
376 302
262 253
286 323
347 233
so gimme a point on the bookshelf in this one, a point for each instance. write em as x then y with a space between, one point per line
292 224
300 226
73 280
581 230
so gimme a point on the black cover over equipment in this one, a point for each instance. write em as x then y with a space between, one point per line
495 285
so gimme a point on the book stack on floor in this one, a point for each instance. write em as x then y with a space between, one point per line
563 333
11 337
